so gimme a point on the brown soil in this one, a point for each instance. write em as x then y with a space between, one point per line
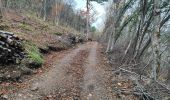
80 73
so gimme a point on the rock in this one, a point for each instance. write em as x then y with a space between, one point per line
72 39
11 75
20 95
5 97
166 98
15 75
80 39
69 39
2 98
35 87
26 70
20 81
44 50
1 77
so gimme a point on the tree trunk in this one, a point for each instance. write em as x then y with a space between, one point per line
113 40
56 20
156 41
87 20
168 77
1 9
116 23
45 10
109 42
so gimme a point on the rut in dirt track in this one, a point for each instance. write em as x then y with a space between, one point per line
95 77
78 75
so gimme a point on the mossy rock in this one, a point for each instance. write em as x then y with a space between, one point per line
58 33
35 58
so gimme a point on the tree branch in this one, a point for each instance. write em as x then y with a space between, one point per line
164 21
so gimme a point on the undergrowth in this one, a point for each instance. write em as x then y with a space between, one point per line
34 55
58 33
25 27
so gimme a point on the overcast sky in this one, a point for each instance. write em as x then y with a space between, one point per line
100 12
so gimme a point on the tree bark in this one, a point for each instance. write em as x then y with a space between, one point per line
109 42
156 41
45 10
56 20
1 9
168 77
87 20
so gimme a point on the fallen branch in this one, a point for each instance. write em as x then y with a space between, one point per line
142 77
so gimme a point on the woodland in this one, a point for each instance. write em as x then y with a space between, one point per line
135 42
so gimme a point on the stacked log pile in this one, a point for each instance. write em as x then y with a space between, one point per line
11 50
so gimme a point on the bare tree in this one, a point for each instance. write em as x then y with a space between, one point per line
156 40
1 7
44 10
57 10
87 19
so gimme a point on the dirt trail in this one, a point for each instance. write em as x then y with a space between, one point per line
95 77
79 74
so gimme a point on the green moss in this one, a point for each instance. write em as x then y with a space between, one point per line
19 33
4 27
58 33
25 27
34 54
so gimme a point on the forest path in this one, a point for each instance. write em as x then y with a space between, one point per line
76 74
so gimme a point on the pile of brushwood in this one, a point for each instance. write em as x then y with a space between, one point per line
11 49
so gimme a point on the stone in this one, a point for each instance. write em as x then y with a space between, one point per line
35 87
26 70
5 97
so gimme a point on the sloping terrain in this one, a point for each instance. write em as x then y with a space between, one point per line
32 28
37 38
